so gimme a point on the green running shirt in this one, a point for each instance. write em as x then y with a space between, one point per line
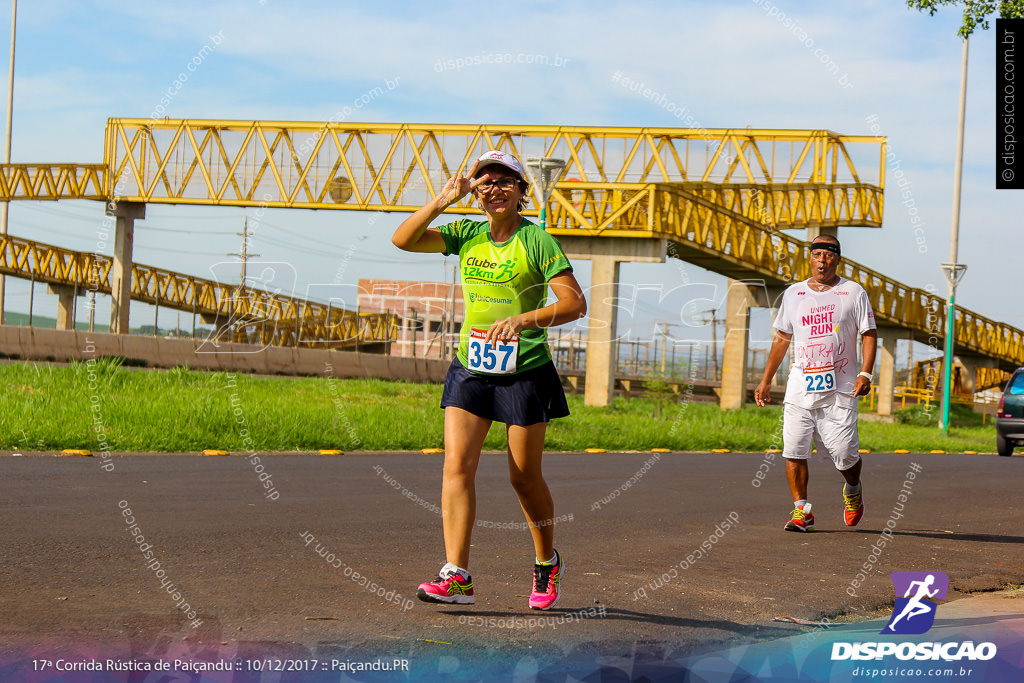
502 280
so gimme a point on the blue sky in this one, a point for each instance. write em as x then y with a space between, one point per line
732 64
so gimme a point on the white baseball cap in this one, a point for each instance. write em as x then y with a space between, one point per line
498 157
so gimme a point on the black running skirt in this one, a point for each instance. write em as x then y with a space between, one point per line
523 399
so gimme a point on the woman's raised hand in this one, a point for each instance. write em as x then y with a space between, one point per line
458 186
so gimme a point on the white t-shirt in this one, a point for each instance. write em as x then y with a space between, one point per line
825 328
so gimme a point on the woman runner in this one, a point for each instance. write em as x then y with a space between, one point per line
503 370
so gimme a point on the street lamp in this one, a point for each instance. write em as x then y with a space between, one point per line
953 270
545 172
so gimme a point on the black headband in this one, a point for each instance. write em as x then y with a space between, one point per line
827 246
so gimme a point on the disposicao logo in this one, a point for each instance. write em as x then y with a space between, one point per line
914 613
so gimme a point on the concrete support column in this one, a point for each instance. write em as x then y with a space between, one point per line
737 335
121 269
885 368
600 381
605 254
65 305
971 366
815 231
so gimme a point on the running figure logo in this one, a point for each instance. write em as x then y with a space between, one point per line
914 613
507 269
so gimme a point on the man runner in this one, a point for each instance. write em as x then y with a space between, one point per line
822 316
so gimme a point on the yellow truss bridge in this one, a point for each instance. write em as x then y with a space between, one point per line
719 197
245 315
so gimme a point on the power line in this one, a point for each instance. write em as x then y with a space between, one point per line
179 251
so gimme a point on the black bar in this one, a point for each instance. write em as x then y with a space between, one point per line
1009 134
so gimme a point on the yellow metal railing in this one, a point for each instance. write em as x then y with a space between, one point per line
248 314
903 392
926 396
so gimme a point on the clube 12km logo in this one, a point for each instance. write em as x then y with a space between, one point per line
914 614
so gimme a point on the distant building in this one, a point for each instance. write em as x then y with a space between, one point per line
430 313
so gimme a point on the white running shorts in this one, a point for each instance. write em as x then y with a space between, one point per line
832 428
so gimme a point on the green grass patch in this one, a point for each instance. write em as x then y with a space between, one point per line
921 415
104 405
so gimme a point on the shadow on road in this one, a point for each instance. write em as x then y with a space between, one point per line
616 614
952 536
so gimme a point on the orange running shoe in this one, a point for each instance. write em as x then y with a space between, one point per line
854 506
802 519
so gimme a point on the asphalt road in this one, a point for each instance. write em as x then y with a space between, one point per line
688 553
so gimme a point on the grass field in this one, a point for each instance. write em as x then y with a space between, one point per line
103 406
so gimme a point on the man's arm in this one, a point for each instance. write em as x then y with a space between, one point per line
780 345
869 342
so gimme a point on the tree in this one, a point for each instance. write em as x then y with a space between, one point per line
976 14
661 392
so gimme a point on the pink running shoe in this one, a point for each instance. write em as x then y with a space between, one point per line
545 583
449 587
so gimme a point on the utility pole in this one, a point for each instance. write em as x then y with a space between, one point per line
910 360
415 322
449 325
714 338
245 255
664 346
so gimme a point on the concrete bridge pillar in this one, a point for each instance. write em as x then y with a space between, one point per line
600 381
738 302
816 231
969 378
65 305
605 254
740 298
121 269
885 368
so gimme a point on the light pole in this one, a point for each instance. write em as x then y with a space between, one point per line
953 271
545 172
7 151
